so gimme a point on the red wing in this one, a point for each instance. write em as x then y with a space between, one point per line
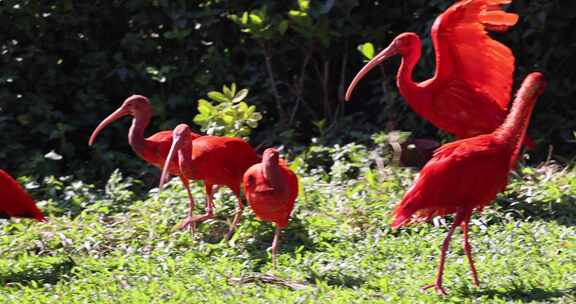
463 174
161 136
292 184
460 36
15 201
461 106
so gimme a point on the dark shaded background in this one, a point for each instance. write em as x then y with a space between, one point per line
66 64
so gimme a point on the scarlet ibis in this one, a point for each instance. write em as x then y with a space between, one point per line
466 175
153 149
215 160
470 90
271 189
15 201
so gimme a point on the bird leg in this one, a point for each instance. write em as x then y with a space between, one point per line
438 284
209 206
237 216
468 251
275 245
189 222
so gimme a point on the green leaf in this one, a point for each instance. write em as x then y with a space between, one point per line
367 49
233 88
250 110
227 92
256 116
199 119
297 14
228 119
283 27
304 4
204 106
242 107
240 96
252 123
255 19
244 18
217 96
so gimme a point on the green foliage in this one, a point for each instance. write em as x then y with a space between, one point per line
338 245
227 114
259 25
367 50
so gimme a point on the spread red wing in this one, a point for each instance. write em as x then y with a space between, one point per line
460 36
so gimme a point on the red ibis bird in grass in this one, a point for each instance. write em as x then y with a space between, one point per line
470 90
153 149
15 201
215 160
271 189
466 175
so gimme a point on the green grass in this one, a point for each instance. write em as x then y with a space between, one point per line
114 245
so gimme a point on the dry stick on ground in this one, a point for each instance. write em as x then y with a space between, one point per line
269 279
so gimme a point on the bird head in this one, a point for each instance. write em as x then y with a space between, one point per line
135 105
401 45
270 155
533 85
182 137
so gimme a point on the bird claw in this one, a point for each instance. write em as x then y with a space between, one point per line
190 224
438 287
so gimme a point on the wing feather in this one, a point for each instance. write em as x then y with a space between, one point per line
460 36
452 180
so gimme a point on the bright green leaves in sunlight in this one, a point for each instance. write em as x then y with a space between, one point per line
367 50
311 22
226 114
259 25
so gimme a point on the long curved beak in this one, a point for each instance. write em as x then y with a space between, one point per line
388 52
122 111
177 143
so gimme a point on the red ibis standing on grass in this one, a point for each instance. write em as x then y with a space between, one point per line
215 160
153 149
15 201
466 175
470 90
271 189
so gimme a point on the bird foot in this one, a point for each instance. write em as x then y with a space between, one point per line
190 224
438 287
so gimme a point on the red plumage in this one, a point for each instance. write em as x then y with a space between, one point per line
15 201
467 174
271 189
154 149
213 159
470 90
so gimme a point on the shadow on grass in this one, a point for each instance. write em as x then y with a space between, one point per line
296 240
563 212
524 294
292 238
41 274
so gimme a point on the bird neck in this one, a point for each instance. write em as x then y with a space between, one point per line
136 133
512 132
185 162
272 174
409 89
